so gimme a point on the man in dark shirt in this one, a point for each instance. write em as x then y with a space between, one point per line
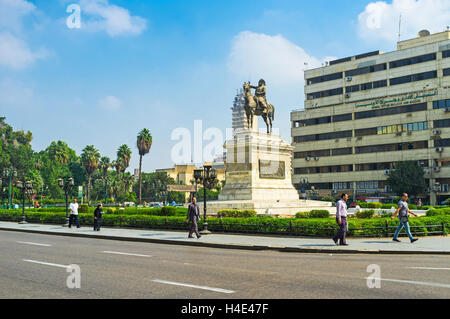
193 216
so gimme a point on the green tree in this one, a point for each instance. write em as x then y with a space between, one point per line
90 158
144 143
124 153
407 177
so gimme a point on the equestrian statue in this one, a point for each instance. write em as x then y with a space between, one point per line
257 104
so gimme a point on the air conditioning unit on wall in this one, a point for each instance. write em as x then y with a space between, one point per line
439 149
347 95
348 78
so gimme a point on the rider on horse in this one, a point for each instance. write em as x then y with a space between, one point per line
260 95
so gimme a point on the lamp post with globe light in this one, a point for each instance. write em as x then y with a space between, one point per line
207 177
66 187
26 188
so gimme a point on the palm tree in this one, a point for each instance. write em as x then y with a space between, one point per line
59 152
124 153
90 158
144 143
104 165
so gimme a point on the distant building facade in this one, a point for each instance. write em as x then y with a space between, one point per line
366 112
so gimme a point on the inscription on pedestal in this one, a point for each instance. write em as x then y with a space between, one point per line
272 169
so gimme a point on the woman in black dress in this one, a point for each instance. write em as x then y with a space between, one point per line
98 212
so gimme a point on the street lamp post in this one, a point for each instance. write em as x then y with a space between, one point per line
207 177
10 173
25 187
66 187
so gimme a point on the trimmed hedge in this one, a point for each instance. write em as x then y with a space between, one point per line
236 213
294 226
365 214
302 215
437 212
319 213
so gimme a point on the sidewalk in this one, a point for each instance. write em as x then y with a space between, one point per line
426 245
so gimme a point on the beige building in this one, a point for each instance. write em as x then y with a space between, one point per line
184 174
366 112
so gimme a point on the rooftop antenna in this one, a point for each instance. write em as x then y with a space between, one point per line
399 26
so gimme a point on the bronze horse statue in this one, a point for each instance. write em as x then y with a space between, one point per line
253 107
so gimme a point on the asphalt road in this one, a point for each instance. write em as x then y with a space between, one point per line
33 266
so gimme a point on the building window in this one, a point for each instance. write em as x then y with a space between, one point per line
367 185
391 111
365 70
413 78
446 54
342 151
324 78
413 60
441 104
397 128
366 86
446 72
343 117
442 123
323 136
353 88
379 84
442 142
317 95
444 188
391 147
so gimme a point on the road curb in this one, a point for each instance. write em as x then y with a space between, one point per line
233 246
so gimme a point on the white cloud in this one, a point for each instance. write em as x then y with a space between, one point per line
379 20
110 103
12 11
14 52
274 58
112 19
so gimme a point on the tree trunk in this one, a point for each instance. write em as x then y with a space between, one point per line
89 190
140 180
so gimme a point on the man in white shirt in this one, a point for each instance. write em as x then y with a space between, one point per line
341 219
73 208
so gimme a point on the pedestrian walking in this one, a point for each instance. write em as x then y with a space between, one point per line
98 212
73 207
419 203
341 219
193 216
402 212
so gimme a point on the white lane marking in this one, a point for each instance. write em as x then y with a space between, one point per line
432 284
429 268
30 243
44 263
128 254
194 286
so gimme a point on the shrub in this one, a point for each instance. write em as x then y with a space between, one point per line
328 199
236 213
388 206
321 213
363 214
302 215
437 212
84 208
447 201
372 205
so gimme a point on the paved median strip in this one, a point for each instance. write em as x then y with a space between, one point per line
127 254
45 263
34 244
194 286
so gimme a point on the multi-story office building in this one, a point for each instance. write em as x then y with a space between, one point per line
239 119
366 112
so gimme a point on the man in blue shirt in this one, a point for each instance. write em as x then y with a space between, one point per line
402 212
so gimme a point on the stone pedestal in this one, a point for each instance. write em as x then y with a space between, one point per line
258 177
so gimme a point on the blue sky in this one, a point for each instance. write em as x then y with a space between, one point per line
163 64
